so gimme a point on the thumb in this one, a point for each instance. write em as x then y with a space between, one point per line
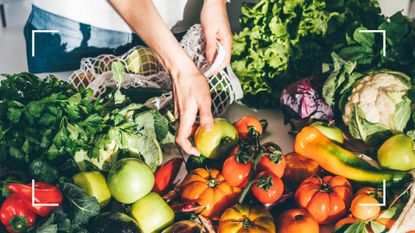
210 46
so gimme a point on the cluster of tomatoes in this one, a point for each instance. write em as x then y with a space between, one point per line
254 166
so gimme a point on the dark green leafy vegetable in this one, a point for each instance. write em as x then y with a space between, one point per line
340 80
113 222
41 170
78 206
58 222
51 132
366 49
52 127
4 192
24 87
48 226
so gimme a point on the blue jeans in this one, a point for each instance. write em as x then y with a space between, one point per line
63 51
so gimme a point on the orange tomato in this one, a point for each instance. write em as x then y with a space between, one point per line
246 219
296 221
268 189
272 160
244 124
365 207
209 189
326 199
298 168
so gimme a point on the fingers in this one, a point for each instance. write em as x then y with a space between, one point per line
187 119
175 105
210 37
226 40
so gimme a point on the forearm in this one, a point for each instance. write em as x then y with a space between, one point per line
144 19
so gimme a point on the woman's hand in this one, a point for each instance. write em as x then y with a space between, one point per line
191 95
215 24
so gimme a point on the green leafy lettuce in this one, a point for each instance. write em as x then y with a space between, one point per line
282 41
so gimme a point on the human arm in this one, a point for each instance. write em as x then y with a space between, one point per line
190 87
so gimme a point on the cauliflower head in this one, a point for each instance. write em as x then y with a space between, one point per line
378 103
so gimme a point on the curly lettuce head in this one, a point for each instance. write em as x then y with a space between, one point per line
273 33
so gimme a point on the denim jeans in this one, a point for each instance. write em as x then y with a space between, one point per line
63 51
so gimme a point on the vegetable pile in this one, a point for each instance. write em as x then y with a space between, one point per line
284 41
114 183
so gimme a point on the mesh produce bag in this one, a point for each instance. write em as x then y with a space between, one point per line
406 221
144 71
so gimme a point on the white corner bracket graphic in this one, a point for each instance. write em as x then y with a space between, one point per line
383 197
383 39
39 204
34 35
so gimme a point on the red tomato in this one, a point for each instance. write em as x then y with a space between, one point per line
244 124
268 189
272 160
166 174
237 170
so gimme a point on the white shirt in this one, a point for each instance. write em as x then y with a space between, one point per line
179 15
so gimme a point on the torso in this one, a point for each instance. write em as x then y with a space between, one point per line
179 15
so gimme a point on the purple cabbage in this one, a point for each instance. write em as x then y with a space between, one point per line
302 103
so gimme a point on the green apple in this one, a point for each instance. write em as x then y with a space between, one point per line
397 153
330 131
218 141
95 185
129 180
141 60
183 226
152 213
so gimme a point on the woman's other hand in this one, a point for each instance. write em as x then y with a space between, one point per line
215 24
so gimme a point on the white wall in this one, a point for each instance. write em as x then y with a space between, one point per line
17 12
390 7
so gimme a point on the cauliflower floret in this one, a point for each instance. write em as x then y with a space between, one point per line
377 96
